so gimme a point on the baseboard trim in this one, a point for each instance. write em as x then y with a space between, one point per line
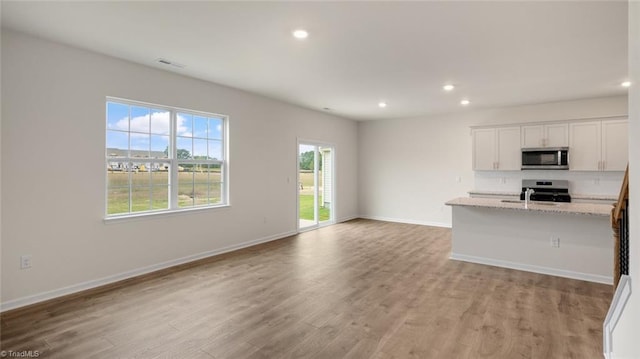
347 219
93 284
532 268
408 221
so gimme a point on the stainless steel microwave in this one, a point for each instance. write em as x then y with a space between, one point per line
545 158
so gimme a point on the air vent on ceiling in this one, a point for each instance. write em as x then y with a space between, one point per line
170 63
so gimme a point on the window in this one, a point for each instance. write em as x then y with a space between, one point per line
163 159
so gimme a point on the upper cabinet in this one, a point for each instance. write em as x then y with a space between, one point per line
551 135
594 145
496 149
599 145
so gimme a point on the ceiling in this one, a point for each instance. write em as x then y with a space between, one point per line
360 53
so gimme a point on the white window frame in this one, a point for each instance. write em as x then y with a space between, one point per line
173 161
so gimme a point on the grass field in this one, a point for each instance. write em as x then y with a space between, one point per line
306 198
150 190
306 209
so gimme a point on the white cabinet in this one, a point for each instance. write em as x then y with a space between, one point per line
598 145
496 149
551 135
615 145
484 149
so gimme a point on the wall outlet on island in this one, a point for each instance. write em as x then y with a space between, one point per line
555 242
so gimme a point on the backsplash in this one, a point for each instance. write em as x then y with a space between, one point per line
592 183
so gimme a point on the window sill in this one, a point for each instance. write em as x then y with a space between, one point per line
168 213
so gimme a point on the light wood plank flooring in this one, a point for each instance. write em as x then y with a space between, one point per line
361 289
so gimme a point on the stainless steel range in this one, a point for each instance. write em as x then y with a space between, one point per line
546 190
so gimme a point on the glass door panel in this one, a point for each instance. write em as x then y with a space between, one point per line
315 185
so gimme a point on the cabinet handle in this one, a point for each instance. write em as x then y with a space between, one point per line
603 165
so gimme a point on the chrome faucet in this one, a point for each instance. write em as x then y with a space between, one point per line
527 196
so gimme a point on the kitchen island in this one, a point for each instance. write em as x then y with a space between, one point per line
571 240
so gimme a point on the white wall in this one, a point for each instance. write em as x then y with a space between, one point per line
409 168
53 174
625 335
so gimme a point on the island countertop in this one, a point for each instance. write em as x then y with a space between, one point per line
549 207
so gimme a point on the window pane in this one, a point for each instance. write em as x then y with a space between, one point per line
215 149
160 120
199 126
118 200
117 144
159 146
139 175
140 186
201 194
117 175
159 174
215 173
160 197
199 148
185 188
140 199
185 125
117 116
139 119
215 193
140 145
215 128
184 146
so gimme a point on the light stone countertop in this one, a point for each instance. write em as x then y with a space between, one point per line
495 193
549 207
600 197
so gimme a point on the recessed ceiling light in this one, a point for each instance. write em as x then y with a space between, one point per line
465 102
626 84
448 87
300 34
382 104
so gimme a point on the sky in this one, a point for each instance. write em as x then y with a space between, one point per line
144 128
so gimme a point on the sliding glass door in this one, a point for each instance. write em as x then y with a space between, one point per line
315 185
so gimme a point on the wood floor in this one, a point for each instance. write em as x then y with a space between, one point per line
361 289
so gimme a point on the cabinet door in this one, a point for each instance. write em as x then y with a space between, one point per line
585 146
556 135
615 145
484 149
532 136
509 153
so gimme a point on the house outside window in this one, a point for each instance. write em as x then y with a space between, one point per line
162 159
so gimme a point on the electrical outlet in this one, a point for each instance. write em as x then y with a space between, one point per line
25 261
555 242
